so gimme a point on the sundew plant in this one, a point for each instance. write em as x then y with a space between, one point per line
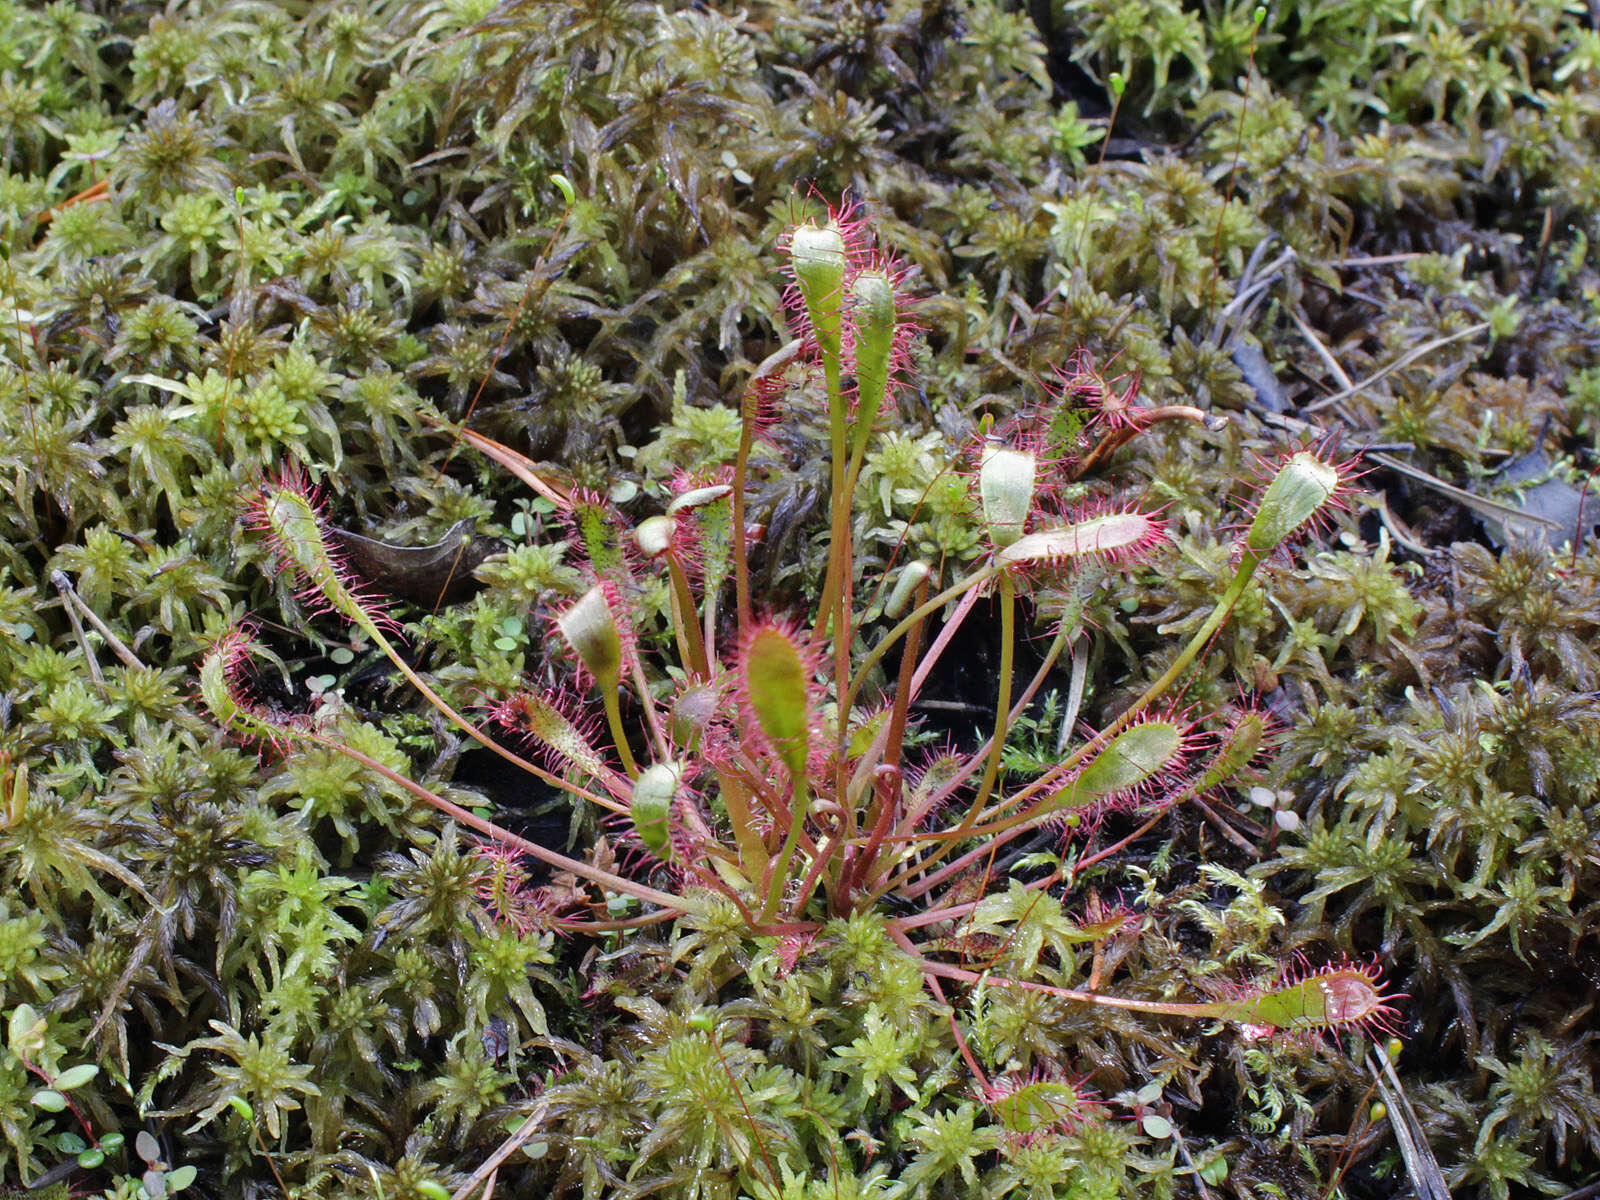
751 765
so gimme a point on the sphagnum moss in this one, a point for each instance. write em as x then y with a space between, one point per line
165 339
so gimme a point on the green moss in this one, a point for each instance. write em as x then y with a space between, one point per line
327 234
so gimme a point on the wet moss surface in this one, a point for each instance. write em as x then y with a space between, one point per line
242 235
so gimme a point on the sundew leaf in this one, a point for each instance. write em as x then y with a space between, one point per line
651 809
1299 490
875 319
544 721
1110 535
775 679
1040 1104
1006 480
1134 756
1334 998
1241 745
590 628
1127 763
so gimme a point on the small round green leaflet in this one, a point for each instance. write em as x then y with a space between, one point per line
651 806
181 1177
76 1077
26 1031
775 680
1155 1125
49 1100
